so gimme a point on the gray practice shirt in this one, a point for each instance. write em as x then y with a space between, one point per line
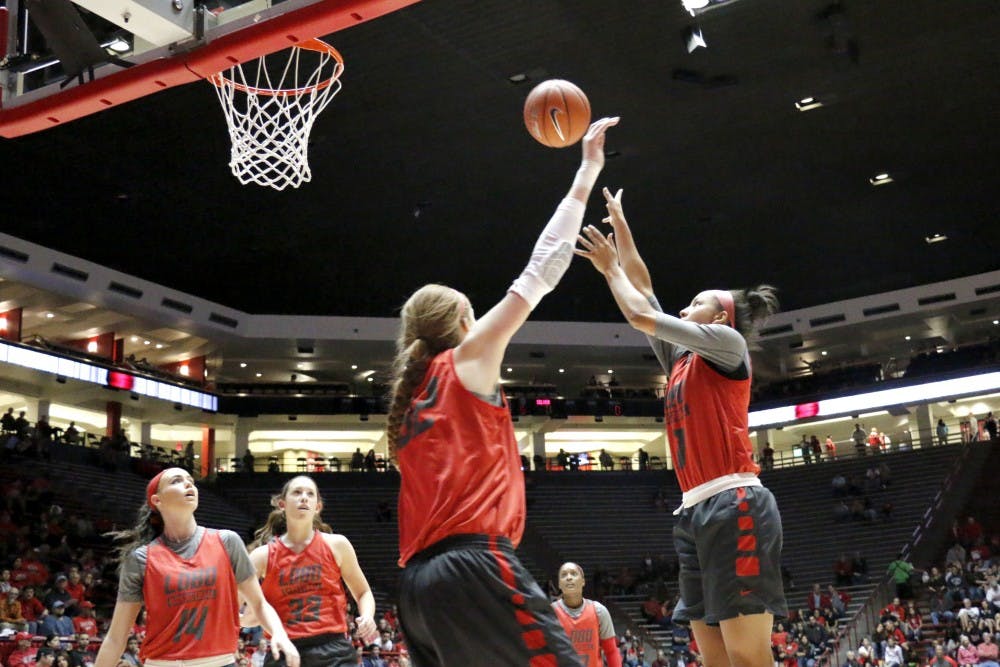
722 346
133 572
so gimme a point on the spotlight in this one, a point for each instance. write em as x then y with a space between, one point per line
880 179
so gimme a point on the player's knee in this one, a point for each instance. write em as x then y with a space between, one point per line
750 655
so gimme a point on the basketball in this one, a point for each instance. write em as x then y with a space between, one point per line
557 113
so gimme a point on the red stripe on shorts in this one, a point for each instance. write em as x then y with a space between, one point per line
533 639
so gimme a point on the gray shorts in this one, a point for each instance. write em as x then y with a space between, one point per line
729 552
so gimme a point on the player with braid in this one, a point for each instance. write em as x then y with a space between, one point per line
461 499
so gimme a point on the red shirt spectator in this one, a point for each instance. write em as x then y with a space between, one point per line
24 654
77 591
31 606
817 599
788 652
85 623
38 573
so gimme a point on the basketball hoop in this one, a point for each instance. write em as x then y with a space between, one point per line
271 116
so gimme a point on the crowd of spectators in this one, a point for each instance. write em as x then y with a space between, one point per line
953 614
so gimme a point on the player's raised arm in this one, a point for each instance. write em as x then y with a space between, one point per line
480 354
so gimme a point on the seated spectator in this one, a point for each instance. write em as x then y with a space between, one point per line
987 650
11 617
817 599
967 653
81 655
839 485
838 600
131 654
843 572
85 623
259 656
852 660
894 611
841 511
652 609
32 608
52 645
968 615
913 628
56 622
892 656
22 655
59 593
941 659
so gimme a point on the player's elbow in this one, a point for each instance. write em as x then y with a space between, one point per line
641 320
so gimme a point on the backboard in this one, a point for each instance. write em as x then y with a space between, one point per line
65 59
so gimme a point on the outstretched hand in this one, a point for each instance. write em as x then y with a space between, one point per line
614 205
593 141
600 250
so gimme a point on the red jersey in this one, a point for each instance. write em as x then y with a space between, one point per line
706 417
191 604
25 658
584 632
461 470
305 588
85 626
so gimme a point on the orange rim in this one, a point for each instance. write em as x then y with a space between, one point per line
317 45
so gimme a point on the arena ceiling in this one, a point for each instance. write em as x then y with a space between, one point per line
423 172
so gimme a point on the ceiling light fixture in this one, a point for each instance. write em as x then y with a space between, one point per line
823 353
693 5
50 315
808 104
935 238
906 338
563 370
119 45
520 77
354 367
259 374
159 346
145 342
880 179
243 364
694 38
134 339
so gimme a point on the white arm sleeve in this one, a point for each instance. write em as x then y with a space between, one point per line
552 254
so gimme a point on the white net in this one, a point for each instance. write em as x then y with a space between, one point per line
271 115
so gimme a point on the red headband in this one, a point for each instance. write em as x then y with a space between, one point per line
725 300
153 487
